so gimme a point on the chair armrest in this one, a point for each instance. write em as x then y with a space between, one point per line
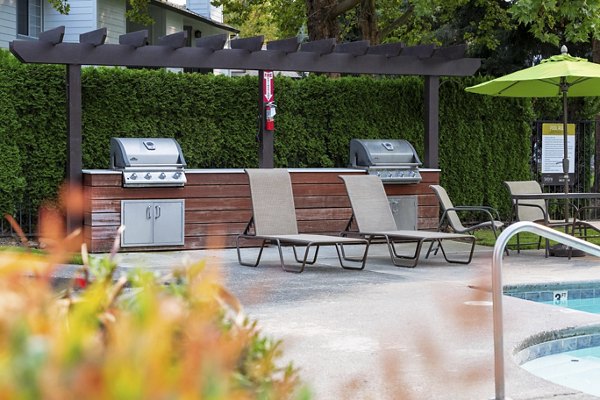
516 211
490 210
484 210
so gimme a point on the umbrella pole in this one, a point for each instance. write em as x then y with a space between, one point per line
564 88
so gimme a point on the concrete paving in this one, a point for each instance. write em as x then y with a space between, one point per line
397 333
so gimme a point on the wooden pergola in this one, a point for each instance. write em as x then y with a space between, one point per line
323 56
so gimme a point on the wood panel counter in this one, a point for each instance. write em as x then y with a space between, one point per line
217 204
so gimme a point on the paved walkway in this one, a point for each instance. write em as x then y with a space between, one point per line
397 333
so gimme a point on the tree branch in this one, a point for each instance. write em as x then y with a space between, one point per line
342 7
401 20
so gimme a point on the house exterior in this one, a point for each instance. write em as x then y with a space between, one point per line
22 19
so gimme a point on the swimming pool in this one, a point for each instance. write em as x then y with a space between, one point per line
572 361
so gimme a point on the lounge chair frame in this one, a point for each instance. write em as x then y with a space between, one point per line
391 239
286 233
359 184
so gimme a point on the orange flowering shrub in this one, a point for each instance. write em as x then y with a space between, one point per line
134 337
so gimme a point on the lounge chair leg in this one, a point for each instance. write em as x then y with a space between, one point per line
341 257
237 243
284 267
305 255
455 261
399 260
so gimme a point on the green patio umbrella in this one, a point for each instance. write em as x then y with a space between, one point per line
561 75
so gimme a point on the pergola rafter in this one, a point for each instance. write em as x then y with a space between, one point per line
322 56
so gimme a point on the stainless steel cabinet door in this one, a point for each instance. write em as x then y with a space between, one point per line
138 218
152 222
168 222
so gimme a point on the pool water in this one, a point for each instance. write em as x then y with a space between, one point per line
563 361
577 369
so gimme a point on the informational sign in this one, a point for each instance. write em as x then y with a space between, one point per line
553 148
267 86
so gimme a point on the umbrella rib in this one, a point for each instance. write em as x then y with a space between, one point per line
508 87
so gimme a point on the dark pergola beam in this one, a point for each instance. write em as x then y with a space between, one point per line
212 43
386 49
133 39
421 51
174 41
313 58
358 48
53 36
250 44
451 52
320 47
95 38
289 45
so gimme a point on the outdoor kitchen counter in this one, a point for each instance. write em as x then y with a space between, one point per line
217 204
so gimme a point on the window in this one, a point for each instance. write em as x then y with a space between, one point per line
29 17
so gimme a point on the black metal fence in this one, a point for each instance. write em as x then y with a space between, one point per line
26 218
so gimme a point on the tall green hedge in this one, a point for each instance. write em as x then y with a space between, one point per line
483 141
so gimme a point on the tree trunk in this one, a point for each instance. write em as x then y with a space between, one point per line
596 188
368 21
321 22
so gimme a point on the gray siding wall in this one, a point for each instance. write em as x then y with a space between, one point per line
204 8
82 18
8 22
111 15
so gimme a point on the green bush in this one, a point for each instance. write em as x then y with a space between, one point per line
12 181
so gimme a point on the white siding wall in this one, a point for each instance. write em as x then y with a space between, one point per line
8 22
111 15
82 18
216 13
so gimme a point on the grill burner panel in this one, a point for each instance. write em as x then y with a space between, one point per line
148 162
394 161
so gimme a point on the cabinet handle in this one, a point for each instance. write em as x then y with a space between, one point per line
148 210
156 212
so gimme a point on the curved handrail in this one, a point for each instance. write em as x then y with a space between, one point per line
501 242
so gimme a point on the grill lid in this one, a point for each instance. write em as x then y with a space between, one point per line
145 152
373 152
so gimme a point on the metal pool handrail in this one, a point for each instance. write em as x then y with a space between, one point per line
501 242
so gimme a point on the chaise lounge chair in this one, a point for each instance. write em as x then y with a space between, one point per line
274 222
374 220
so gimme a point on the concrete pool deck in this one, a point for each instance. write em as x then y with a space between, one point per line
397 333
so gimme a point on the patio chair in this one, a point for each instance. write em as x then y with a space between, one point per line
274 222
532 210
450 218
450 215
374 221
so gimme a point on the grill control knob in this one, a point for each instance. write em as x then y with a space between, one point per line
148 176
162 175
133 176
176 175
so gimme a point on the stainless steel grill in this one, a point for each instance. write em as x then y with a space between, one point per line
394 161
147 162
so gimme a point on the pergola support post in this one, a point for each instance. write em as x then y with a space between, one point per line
264 136
432 113
74 154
